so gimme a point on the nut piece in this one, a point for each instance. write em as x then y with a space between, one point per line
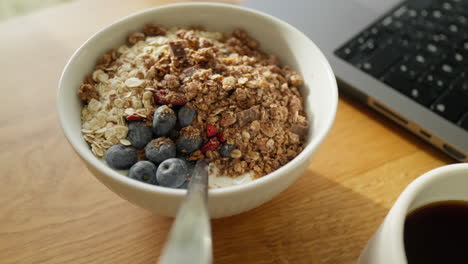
253 155
245 135
134 37
177 50
107 59
295 105
188 72
229 83
88 92
154 30
228 118
255 126
295 80
196 155
170 82
247 116
267 129
242 80
300 130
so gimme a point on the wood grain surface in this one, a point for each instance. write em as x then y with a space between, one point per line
52 210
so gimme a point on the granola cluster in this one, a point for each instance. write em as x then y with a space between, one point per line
237 90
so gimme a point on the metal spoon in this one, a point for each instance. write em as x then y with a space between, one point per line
190 236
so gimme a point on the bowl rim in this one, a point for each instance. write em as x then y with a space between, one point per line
109 172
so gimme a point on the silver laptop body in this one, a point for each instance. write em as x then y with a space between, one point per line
332 23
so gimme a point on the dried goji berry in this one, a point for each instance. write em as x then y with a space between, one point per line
177 101
159 97
134 118
212 144
221 137
211 130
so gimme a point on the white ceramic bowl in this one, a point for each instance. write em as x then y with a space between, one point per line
276 37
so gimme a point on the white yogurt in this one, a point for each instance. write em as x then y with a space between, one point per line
219 181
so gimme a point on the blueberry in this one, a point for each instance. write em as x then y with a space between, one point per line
190 166
144 171
186 116
121 157
225 150
160 149
172 173
164 120
189 140
139 134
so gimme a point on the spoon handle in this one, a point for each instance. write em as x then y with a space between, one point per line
190 236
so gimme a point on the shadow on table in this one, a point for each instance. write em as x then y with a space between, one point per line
326 223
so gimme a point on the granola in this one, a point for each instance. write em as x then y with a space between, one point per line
238 91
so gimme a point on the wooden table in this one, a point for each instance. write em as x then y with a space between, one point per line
52 210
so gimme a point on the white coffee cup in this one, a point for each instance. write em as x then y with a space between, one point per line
445 183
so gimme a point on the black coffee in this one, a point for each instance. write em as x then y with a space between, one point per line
437 233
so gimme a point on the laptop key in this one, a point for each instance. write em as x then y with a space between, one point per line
432 48
419 35
395 26
462 5
420 4
458 58
461 20
464 45
375 31
453 29
367 48
437 14
348 51
406 43
401 11
447 6
448 70
407 70
420 62
428 26
451 105
435 81
381 60
441 39
398 82
424 94
461 84
362 38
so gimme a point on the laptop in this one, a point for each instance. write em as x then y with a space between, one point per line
406 59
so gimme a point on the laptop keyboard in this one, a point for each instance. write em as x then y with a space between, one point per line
420 49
